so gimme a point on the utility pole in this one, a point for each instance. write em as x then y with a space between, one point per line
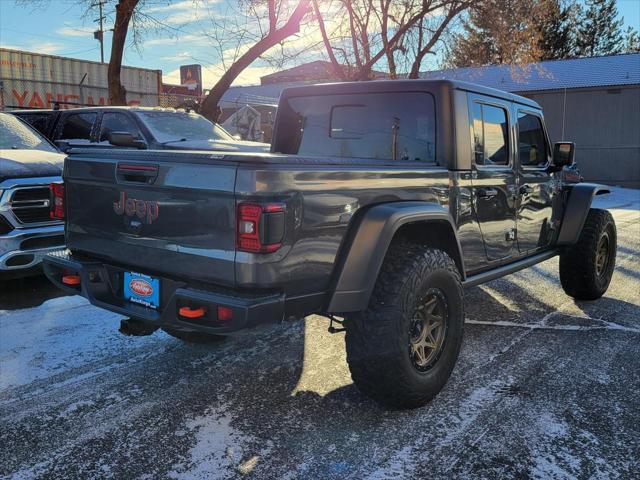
99 34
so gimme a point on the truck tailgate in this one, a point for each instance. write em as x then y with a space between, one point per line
157 212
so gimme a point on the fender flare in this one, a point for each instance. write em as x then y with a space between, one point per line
577 209
366 246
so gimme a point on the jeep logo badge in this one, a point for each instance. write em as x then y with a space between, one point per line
145 210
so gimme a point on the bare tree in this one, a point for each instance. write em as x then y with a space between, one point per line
428 32
282 23
399 34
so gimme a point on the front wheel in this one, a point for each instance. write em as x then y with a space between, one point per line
402 349
586 268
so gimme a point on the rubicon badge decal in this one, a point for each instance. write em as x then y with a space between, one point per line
141 287
145 210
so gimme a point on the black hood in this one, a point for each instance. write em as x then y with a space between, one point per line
30 163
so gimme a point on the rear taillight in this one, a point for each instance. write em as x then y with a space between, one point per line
56 207
260 227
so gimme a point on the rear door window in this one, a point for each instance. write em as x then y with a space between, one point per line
382 126
490 135
77 126
117 122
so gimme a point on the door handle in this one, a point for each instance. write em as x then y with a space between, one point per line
526 189
487 192
136 173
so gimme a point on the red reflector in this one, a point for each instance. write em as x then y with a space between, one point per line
56 207
71 279
189 312
224 314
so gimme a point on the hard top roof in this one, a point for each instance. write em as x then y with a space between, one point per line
378 86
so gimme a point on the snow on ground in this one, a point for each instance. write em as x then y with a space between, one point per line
545 387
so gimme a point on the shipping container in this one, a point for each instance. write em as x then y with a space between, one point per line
31 80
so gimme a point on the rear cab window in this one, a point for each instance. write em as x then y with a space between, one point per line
396 126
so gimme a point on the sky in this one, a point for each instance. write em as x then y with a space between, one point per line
180 34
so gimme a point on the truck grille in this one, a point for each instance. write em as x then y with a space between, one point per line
31 204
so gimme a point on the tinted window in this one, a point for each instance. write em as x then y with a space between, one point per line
532 144
370 125
39 121
490 135
117 122
15 134
77 126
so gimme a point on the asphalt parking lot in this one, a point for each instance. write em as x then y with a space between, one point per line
545 388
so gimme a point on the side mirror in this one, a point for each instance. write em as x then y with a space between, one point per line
563 154
126 139
63 145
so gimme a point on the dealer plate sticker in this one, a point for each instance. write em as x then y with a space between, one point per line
142 289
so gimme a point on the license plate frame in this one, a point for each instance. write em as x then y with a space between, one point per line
142 289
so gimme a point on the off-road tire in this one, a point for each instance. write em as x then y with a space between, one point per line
194 337
579 273
377 339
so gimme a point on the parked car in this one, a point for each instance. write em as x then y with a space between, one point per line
29 163
379 203
134 127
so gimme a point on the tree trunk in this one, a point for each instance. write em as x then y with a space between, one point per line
389 49
210 104
124 12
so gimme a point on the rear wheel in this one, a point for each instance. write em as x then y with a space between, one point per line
586 268
402 349
194 337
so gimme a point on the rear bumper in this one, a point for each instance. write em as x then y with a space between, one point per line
24 248
101 284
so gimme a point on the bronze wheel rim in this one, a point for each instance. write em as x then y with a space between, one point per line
602 254
427 330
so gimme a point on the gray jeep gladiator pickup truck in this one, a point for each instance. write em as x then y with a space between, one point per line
378 203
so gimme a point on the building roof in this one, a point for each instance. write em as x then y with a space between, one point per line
316 71
613 70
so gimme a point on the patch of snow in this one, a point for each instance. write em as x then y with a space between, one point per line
218 451
62 334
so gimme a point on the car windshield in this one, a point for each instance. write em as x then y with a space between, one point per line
181 126
14 134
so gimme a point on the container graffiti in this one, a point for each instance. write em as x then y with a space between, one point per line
31 80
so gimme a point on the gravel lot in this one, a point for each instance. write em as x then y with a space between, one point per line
545 388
